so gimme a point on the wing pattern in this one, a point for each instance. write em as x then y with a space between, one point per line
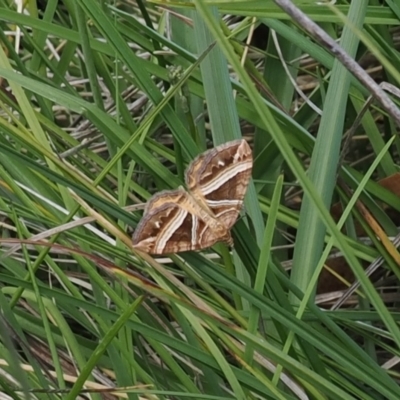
176 220
219 177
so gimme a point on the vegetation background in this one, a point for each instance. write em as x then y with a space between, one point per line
103 104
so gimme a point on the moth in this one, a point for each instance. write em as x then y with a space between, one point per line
180 220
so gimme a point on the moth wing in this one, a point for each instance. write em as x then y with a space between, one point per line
171 224
219 177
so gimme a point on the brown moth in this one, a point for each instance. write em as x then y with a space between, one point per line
179 220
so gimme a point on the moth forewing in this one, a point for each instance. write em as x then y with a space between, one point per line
221 177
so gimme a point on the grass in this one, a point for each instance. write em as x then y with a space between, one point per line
103 105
